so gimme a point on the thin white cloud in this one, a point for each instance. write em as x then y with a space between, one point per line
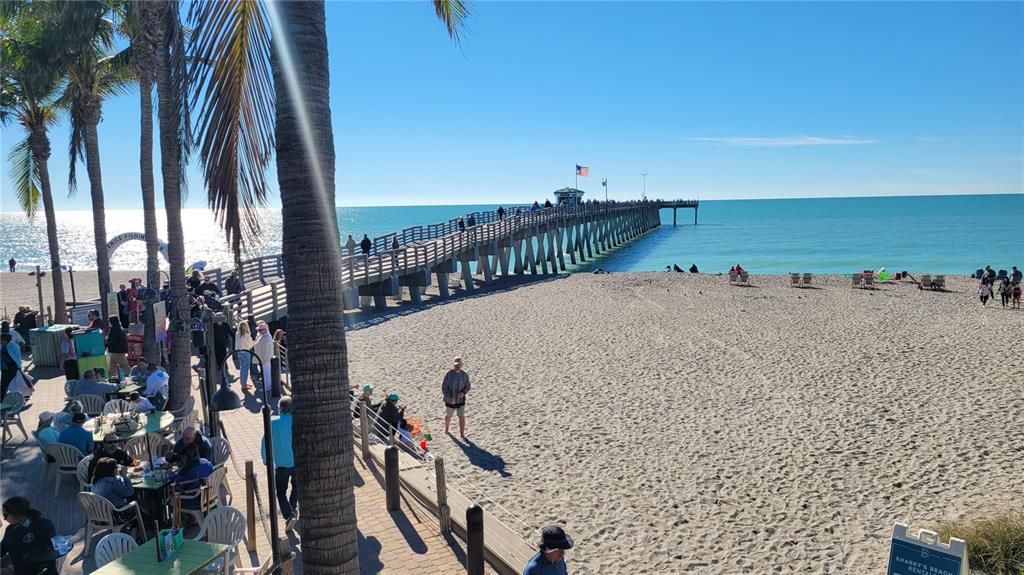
787 141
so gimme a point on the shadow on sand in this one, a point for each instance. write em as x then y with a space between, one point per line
482 458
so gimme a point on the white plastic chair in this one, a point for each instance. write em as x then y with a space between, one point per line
221 451
116 406
216 481
47 458
12 415
92 404
84 481
99 515
224 525
136 447
113 547
67 459
190 419
69 387
185 409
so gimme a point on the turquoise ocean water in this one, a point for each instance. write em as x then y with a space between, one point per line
937 234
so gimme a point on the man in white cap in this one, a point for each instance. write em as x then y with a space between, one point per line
454 389
264 348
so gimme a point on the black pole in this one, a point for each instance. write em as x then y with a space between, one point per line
474 540
212 372
271 475
74 298
391 494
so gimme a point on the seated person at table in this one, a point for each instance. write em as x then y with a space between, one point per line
194 469
62 420
189 436
110 449
140 404
27 534
91 385
156 386
139 369
45 432
76 436
114 488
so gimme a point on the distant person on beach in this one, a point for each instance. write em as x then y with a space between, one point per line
117 349
501 215
366 245
984 292
1005 291
1016 296
550 558
454 389
1015 275
350 246
10 265
676 268
693 269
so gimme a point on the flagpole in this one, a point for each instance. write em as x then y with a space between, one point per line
577 186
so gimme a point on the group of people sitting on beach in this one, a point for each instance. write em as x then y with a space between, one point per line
1009 288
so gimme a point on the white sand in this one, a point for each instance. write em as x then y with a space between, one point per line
677 424
19 288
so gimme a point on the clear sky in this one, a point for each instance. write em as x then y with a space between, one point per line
713 100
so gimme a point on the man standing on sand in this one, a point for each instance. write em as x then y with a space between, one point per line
10 265
454 389
550 559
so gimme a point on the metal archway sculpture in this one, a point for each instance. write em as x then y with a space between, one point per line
118 240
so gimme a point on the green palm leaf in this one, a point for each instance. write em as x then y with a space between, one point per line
25 175
454 14
233 93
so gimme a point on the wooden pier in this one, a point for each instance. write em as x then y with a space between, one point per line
521 242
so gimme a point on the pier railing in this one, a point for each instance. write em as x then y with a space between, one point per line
419 248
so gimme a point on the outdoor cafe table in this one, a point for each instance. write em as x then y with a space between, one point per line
128 389
190 558
153 495
156 421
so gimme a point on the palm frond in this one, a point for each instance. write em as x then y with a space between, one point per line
454 14
233 93
25 176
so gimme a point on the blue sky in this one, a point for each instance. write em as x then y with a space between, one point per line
716 100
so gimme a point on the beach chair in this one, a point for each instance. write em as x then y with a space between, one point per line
869 281
807 280
794 280
926 281
856 279
733 278
939 282
744 279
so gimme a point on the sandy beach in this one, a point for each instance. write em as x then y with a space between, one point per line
19 288
676 424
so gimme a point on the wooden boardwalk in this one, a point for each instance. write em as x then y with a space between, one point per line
521 242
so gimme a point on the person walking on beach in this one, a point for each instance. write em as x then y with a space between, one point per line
10 265
454 389
1016 296
550 558
1005 289
984 292
1015 275
366 245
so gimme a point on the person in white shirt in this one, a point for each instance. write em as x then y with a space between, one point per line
157 385
264 348
140 404
243 342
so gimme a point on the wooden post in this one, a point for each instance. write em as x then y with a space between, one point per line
250 507
284 551
364 431
444 513
391 494
273 299
474 540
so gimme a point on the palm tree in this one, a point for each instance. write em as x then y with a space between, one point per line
163 25
134 15
311 250
27 95
91 76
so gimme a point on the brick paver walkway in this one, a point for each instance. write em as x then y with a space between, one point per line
401 542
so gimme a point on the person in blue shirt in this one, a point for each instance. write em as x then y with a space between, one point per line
284 458
550 559
76 435
191 475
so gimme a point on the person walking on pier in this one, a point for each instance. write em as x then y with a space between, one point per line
264 348
10 265
462 225
501 213
454 389
366 245
350 246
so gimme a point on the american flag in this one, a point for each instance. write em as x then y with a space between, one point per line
582 170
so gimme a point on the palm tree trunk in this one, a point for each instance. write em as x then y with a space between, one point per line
150 348
318 356
40 144
99 217
170 123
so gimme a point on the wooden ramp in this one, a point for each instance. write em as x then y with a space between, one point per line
504 548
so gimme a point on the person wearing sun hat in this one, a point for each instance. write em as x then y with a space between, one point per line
391 413
550 559
454 389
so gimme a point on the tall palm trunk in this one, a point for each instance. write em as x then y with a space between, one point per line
40 144
318 357
170 167
142 51
99 217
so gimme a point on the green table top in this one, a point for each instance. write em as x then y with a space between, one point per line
191 557
148 483
127 389
156 421
5 406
